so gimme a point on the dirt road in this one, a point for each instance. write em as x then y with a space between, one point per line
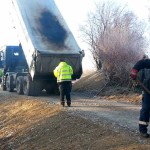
40 123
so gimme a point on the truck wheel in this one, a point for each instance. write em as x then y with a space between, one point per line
27 86
19 85
4 87
31 88
3 84
9 84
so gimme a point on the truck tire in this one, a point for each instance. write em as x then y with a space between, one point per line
3 84
31 88
3 87
27 86
9 84
19 85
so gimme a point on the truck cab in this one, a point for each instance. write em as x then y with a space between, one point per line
13 63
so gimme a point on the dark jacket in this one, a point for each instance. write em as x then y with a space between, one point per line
142 64
143 67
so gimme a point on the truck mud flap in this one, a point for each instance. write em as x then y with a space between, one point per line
52 88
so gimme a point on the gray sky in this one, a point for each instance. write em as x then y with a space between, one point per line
73 11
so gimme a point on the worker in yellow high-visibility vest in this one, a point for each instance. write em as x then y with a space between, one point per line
63 72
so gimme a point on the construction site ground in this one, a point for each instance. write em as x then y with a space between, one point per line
99 119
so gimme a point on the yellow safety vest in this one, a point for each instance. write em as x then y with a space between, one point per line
63 72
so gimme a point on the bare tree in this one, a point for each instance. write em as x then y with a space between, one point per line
115 38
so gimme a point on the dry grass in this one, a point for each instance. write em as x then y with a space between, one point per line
19 116
96 85
91 82
34 124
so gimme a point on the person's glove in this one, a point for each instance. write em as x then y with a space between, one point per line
133 74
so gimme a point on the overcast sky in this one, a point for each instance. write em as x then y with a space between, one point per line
74 12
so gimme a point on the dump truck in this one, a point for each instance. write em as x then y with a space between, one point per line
44 39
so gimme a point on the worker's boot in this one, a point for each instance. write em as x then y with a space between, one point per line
69 104
62 103
145 135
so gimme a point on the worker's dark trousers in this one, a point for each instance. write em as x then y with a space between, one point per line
144 113
65 89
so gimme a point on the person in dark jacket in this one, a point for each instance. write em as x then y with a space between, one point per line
63 72
145 110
